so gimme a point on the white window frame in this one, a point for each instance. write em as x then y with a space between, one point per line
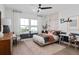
29 26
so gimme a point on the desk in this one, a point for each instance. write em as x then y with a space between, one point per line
61 37
76 41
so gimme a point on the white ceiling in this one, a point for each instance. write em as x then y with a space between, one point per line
32 8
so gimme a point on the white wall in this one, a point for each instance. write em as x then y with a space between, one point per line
14 18
40 23
9 18
2 9
62 26
33 16
68 13
53 21
16 23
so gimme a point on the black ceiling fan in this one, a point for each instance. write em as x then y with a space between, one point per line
42 8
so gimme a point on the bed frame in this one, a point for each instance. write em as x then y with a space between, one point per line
42 45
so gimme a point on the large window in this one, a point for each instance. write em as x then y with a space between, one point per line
34 22
24 21
27 25
24 25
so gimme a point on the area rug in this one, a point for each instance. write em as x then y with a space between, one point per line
46 50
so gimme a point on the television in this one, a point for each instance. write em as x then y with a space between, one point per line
6 29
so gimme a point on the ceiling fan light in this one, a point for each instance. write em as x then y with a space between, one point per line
39 10
35 9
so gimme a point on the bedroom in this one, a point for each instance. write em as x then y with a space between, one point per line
25 20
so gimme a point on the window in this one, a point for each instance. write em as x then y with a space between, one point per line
34 22
24 25
24 21
27 25
24 29
33 29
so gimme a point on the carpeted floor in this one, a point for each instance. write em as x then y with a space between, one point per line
28 47
50 49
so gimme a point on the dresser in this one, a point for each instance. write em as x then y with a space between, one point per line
6 44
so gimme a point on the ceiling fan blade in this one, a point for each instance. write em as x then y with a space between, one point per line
45 7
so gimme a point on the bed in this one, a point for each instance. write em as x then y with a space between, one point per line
45 39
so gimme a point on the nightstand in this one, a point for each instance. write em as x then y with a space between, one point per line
62 39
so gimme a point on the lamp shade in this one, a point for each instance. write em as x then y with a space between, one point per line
6 29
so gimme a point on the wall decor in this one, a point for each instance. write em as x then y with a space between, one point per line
62 20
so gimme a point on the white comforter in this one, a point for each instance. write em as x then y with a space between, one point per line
38 38
41 39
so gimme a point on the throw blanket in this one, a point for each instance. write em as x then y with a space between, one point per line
47 37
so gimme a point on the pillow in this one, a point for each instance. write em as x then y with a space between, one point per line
49 33
55 33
